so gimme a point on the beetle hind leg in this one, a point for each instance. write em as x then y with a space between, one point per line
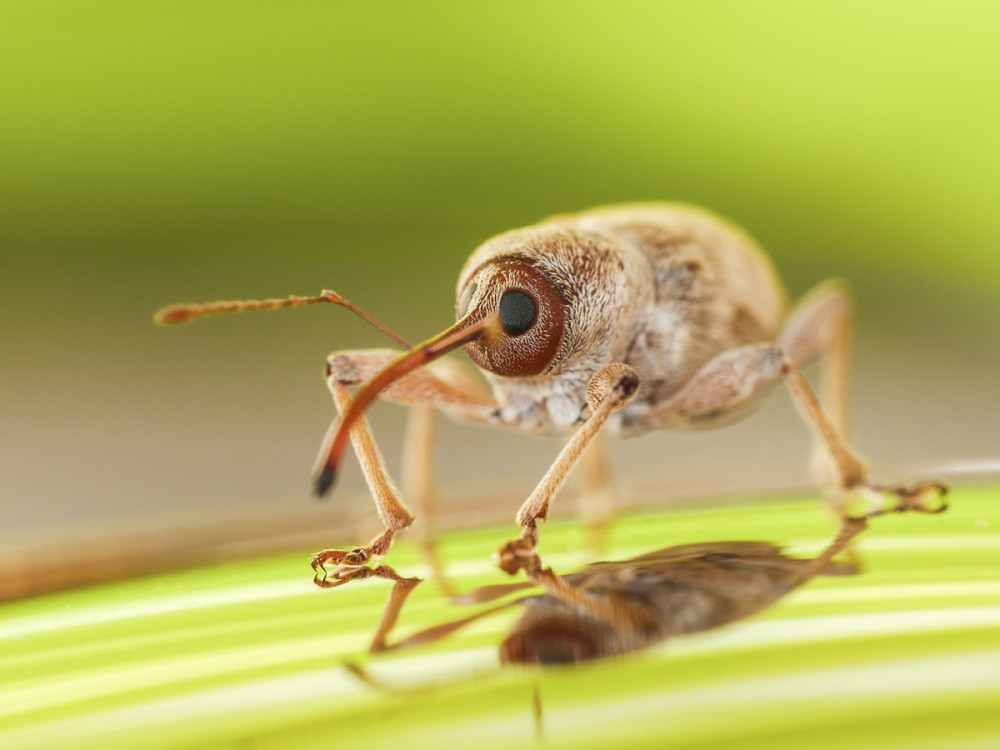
598 496
418 485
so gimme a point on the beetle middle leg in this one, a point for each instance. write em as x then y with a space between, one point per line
730 384
418 484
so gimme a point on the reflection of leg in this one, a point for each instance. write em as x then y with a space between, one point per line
609 389
536 712
849 528
401 590
911 498
418 485
598 499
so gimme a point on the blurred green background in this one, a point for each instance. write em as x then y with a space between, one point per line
162 152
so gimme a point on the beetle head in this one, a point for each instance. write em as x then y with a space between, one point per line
563 297
532 303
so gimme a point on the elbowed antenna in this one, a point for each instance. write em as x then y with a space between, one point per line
174 314
458 335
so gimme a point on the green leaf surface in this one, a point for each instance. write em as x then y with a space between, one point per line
251 654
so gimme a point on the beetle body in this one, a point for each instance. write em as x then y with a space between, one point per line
625 318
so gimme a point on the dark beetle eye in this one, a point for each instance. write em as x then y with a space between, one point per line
532 318
517 312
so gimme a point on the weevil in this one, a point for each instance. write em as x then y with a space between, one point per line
610 609
623 320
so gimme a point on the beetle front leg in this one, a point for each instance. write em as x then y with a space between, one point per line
610 389
420 389
391 508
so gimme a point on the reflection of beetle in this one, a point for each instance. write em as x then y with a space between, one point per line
615 608
670 592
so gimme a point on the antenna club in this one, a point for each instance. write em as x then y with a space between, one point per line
172 315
